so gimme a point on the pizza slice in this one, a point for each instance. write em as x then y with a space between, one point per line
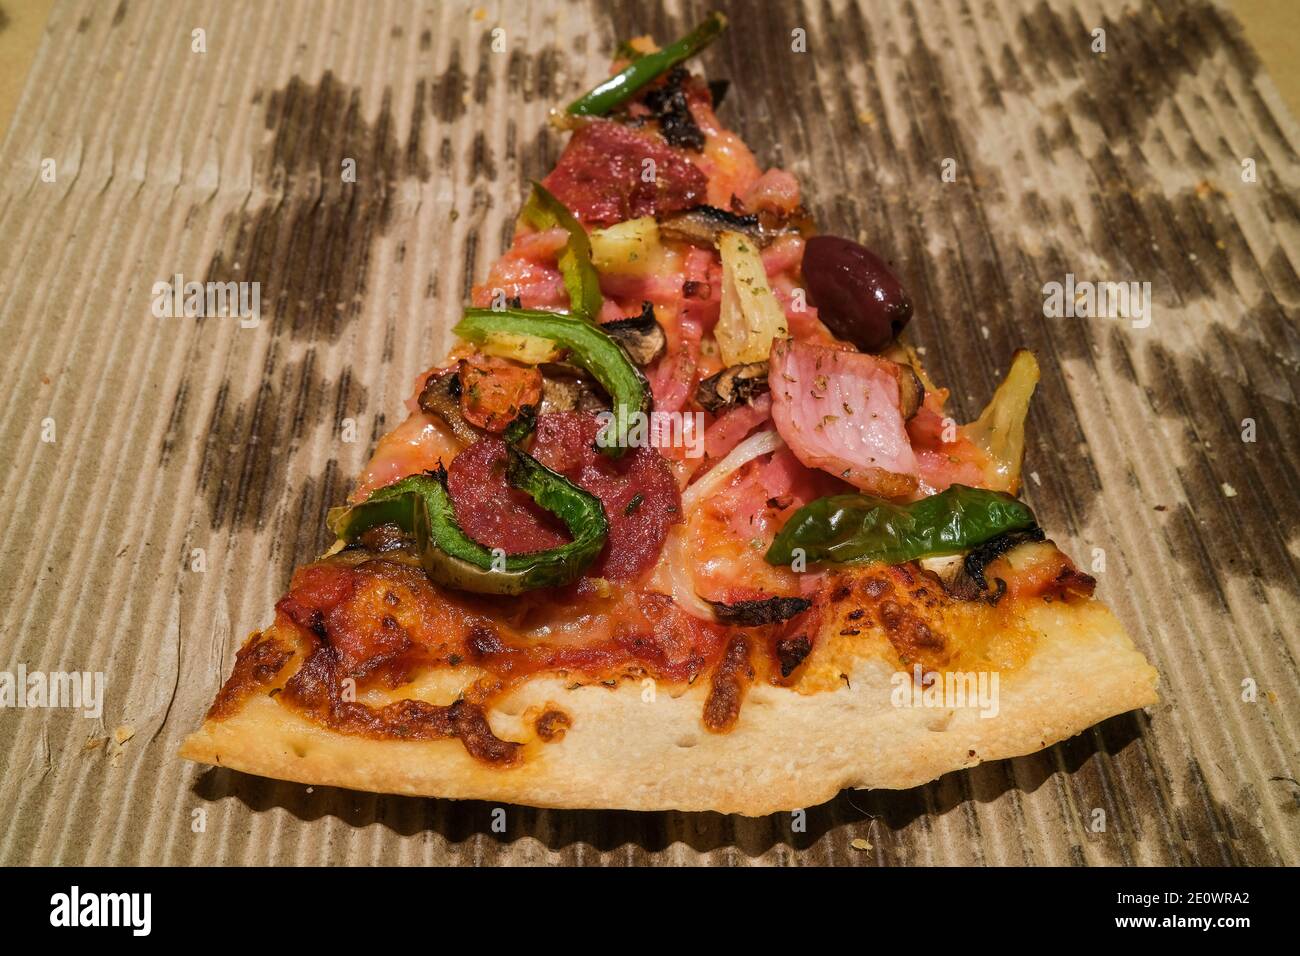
680 523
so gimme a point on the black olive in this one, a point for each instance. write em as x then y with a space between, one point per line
856 295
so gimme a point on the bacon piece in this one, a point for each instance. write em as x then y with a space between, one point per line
527 271
493 391
775 192
734 424
602 175
673 377
839 411
944 456
419 444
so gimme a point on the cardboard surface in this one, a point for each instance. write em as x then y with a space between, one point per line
132 443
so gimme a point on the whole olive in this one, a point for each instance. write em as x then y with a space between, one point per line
856 295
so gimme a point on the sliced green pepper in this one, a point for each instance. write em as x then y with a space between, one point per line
581 281
844 528
589 346
622 86
421 506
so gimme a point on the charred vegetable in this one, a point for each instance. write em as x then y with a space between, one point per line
421 506
441 397
622 86
911 393
732 386
862 528
641 335
673 114
702 225
567 388
589 346
856 295
771 610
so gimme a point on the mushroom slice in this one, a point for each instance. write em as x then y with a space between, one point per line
567 388
701 226
640 335
911 393
441 397
732 386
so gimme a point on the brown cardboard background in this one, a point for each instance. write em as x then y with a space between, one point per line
175 435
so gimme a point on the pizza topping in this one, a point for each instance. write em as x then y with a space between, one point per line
1039 570
775 197
315 690
667 102
755 446
628 249
750 319
421 443
543 211
730 680
645 69
441 396
754 613
641 336
1000 430
493 393
732 386
422 506
861 528
601 175
733 425
491 511
703 225
639 492
979 558
842 412
589 346
567 388
857 297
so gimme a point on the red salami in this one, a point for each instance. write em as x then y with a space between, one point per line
638 491
490 511
609 173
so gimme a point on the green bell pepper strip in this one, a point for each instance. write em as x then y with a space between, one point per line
581 281
588 345
421 506
622 86
860 528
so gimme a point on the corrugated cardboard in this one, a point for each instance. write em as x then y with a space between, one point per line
138 449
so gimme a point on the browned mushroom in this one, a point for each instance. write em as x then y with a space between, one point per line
732 386
640 335
441 397
700 226
911 393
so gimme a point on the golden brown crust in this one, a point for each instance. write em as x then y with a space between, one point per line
647 748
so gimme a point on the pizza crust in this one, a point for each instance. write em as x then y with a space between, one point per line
630 749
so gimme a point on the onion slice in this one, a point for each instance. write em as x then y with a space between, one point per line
760 443
673 574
